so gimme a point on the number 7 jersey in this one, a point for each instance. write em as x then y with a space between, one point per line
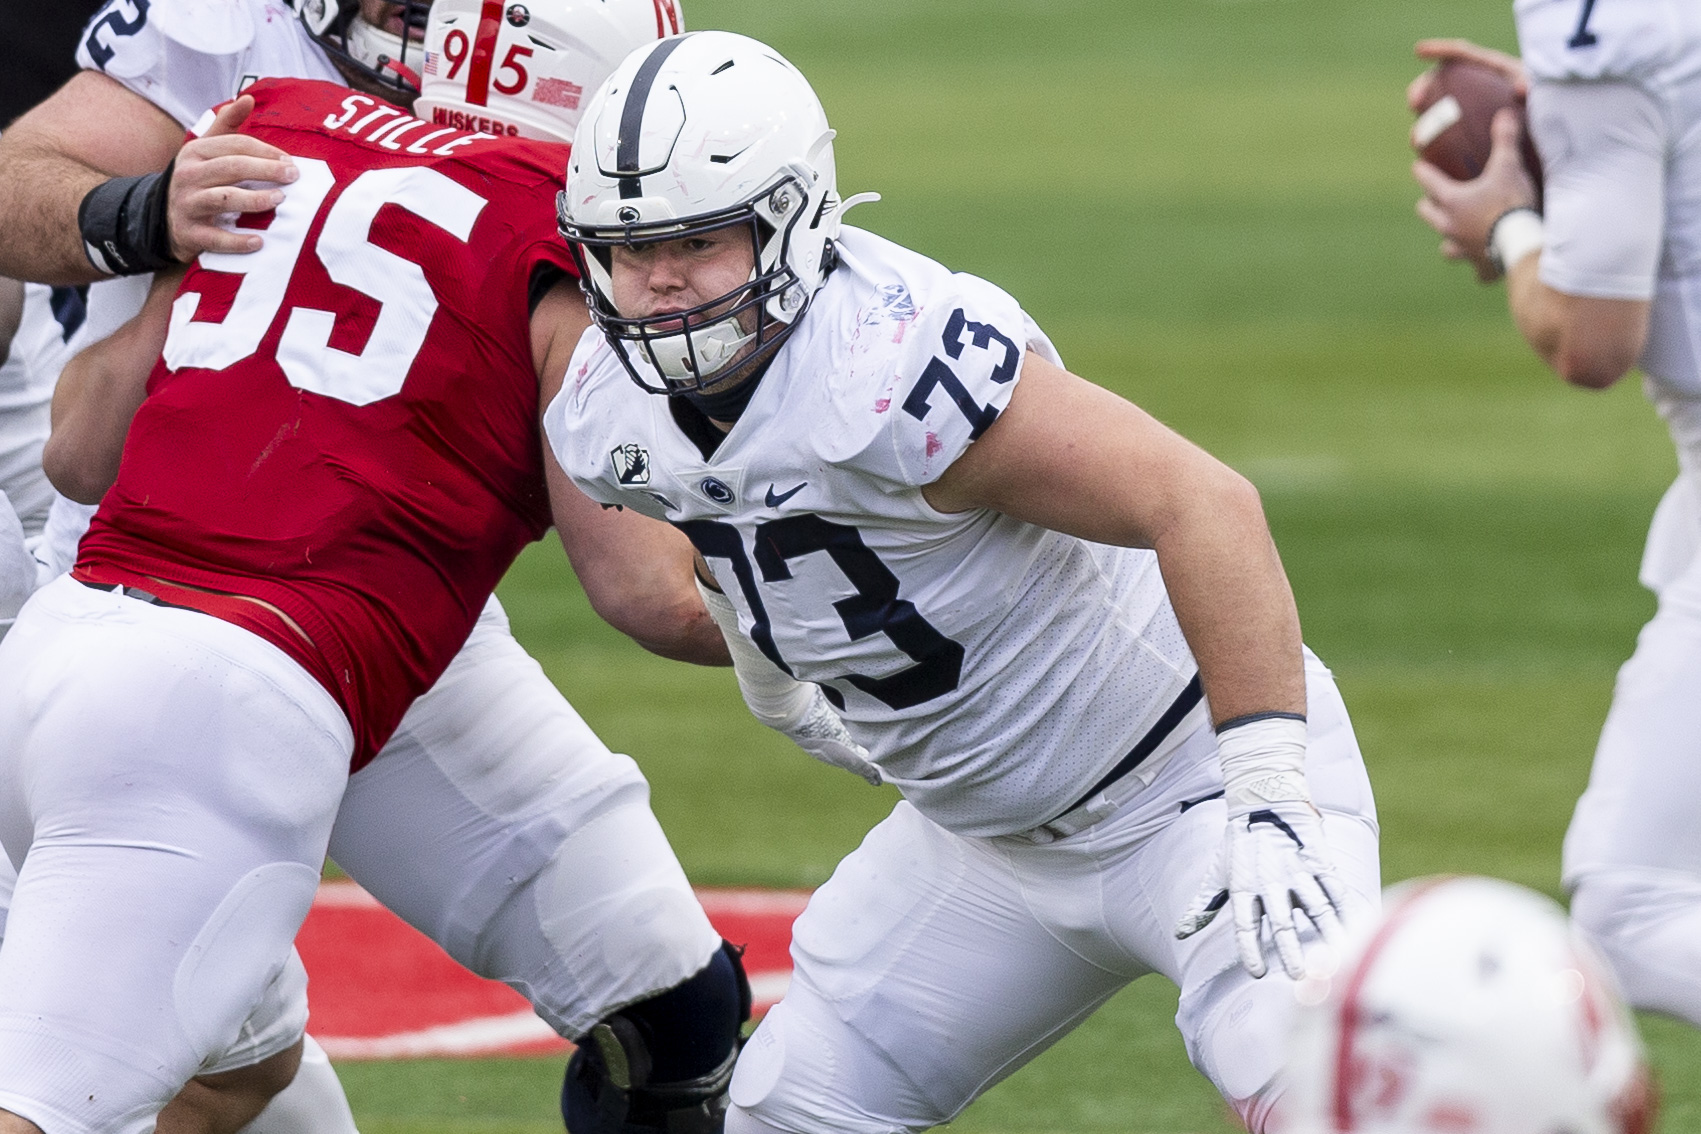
343 425
994 670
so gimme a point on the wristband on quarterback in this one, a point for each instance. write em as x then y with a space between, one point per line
1514 234
125 225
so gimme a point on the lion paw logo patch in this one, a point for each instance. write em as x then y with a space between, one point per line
631 463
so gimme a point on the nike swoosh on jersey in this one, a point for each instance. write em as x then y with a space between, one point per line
775 499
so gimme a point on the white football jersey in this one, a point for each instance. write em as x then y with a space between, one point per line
50 317
993 669
187 55
1615 110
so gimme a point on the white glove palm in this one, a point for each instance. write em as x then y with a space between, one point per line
1274 862
798 709
820 732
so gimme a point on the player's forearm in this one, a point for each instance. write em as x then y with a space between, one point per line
99 392
1533 308
1233 602
685 634
637 574
91 418
40 191
1588 342
650 596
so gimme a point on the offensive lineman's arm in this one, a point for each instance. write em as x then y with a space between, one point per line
99 392
637 572
1071 456
1075 458
92 129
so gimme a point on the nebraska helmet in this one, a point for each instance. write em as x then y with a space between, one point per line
387 53
522 69
695 134
1472 1008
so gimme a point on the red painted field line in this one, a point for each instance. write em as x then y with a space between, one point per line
381 990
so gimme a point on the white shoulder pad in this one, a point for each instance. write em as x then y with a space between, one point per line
931 361
186 55
212 27
121 41
1641 40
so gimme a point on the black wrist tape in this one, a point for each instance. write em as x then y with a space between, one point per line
1249 718
126 229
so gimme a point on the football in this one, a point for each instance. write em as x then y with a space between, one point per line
1452 127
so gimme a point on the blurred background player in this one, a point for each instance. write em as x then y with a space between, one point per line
920 520
1472 1006
1610 278
466 825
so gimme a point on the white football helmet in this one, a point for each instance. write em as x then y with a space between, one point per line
388 59
522 69
698 133
1472 1008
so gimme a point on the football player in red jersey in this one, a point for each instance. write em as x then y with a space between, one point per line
336 459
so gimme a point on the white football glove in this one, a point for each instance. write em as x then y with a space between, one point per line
1274 862
798 709
820 732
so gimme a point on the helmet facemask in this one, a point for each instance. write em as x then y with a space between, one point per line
381 57
693 351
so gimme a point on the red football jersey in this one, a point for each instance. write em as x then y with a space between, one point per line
344 425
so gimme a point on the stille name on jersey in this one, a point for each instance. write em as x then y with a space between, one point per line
372 121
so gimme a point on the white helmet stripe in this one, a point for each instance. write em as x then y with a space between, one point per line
626 158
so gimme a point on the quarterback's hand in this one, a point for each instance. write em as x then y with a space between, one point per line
1444 50
220 174
1273 862
1464 212
819 732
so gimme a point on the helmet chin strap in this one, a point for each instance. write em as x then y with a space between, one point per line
712 347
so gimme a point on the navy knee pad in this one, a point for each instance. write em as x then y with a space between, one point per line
662 1064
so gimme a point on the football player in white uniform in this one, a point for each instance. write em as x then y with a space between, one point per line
1609 277
909 514
22 429
1471 1006
476 822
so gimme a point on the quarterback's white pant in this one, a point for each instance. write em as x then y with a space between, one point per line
497 824
932 965
168 783
1633 851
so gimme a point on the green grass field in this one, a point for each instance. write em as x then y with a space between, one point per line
1207 205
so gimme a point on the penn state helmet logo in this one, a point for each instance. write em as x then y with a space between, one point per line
716 491
631 463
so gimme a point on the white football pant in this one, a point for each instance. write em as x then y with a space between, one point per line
168 783
1633 850
933 965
